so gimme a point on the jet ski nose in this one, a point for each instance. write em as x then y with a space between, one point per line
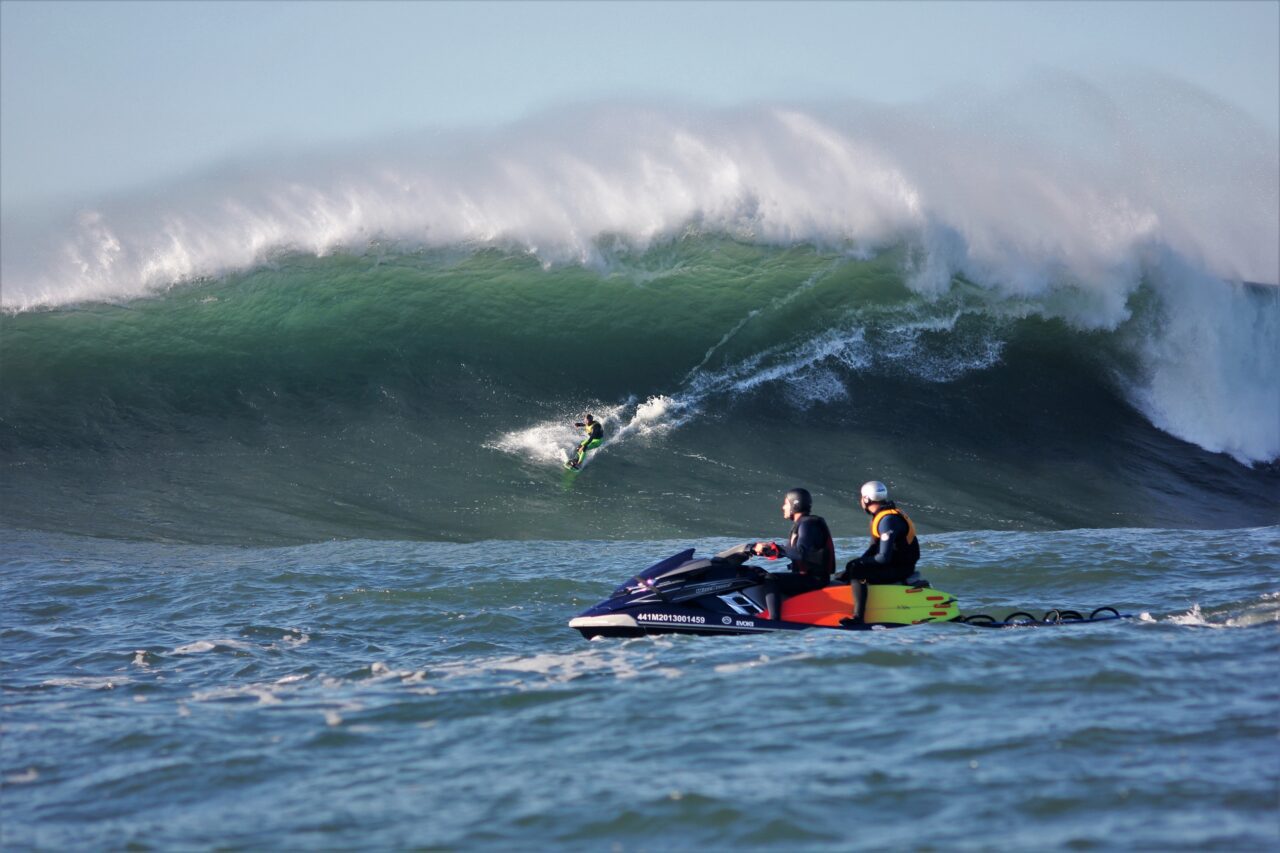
614 624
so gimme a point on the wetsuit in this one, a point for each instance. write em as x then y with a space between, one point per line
595 434
891 557
594 431
813 559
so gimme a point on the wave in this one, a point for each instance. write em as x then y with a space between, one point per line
1059 182
705 318
432 394
1055 273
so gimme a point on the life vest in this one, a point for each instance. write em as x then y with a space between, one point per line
593 430
893 510
826 554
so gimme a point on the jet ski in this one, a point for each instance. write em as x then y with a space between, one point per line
724 595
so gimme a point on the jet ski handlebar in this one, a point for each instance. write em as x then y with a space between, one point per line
737 554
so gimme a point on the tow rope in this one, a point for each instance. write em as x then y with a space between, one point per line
1053 617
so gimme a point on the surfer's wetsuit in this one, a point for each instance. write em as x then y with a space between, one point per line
891 557
813 559
594 435
594 432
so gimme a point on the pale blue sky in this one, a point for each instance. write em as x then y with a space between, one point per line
103 96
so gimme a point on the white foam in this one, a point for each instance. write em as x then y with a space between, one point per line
1059 181
1192 617
553 668
1212 368
544 442
551 441
88 682
739 666
1264 612
201 646
808 371
31 774
198 647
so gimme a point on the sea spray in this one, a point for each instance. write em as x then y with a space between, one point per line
1058 183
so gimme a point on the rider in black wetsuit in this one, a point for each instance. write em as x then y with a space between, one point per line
809 548
892 555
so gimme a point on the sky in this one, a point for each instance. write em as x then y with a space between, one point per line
102 97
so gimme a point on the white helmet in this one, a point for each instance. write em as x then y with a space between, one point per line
874 491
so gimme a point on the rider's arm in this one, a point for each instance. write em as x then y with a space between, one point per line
889 525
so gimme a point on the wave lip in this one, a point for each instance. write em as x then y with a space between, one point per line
1063 182
1212 366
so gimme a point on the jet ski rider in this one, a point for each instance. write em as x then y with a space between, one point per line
892 555
810 550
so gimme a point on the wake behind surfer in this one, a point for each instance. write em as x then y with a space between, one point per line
892 555
809 548
594 434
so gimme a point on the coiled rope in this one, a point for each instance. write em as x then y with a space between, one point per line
1053 617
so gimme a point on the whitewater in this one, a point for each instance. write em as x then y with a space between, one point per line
287 550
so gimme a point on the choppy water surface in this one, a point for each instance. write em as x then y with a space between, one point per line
393 694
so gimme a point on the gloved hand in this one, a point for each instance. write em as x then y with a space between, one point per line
766 549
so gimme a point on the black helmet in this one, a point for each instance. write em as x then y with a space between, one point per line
798 500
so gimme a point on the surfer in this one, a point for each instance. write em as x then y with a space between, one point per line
892 555
594 435
809 548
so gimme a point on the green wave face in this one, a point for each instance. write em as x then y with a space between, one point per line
428 395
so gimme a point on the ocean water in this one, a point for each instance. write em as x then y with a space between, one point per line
383 694
287 550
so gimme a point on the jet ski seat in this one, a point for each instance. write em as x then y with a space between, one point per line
915 579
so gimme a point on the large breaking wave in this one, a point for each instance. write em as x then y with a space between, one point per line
1056 184
796 253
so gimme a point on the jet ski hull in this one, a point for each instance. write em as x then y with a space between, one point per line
682 595
676 620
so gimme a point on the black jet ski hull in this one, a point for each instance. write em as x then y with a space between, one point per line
679 620
721 595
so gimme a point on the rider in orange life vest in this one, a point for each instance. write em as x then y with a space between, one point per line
809 548
892 555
